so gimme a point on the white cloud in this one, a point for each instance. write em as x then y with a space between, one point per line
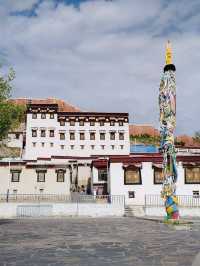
104 56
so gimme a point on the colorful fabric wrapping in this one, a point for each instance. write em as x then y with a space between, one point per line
167 104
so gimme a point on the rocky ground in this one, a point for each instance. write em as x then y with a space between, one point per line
102 241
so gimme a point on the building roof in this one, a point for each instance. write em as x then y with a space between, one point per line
62 105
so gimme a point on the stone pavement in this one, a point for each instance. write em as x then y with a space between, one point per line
98 242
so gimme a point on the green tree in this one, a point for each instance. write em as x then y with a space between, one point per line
11 115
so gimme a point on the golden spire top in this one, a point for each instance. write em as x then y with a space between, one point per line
168 55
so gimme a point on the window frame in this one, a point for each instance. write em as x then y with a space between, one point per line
94 134
51 135
81 136
34 115
102 134
72 134
43 116
34 135
72 123
18 172
112 134
41 171
154 175
129 168
57 175
41 135
121 136
51 116
62 123
105 172
62 134
185 175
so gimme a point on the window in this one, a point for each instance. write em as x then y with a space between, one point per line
92 147
132 176
62 136
121 136
121 123
82 147
82 136
102 147
41 175
92 136
131 194
112 123
101 123
34 116
51 133
62 123
17 135
122 147
192 175
43 116
43 133
51 116
34 144
42 144
195 193
102 175
102 136
81 123
41 190
51 144
72 147
72 123
62 147
112 135
158 176
14 191
113 147
15 175
34 133
60 175
92 123
72 136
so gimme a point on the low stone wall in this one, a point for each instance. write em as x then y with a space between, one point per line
12 210
184 211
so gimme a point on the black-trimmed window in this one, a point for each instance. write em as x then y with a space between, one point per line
34 133
34 116
121 136
43 133
15 175
41 175
121 123
43 116
72 123
102 136
72 135
62 123
82 136
51 133
102 174
101 123
112 123
132 176
51 116
92 123
158 176
60 175
112 135
192 175
62 136
17 135
81 123
92 135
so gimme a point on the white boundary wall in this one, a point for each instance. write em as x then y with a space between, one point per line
12 210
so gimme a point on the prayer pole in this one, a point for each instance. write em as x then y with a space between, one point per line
167 104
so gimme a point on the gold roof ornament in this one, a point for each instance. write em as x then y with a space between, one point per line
168 55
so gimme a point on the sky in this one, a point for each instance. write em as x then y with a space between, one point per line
104 55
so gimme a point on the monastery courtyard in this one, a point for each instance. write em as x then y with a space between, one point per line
102 241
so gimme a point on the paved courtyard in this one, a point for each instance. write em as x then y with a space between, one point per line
102 241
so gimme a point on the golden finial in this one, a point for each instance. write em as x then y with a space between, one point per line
168 55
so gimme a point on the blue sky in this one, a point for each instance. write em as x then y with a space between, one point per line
104 55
